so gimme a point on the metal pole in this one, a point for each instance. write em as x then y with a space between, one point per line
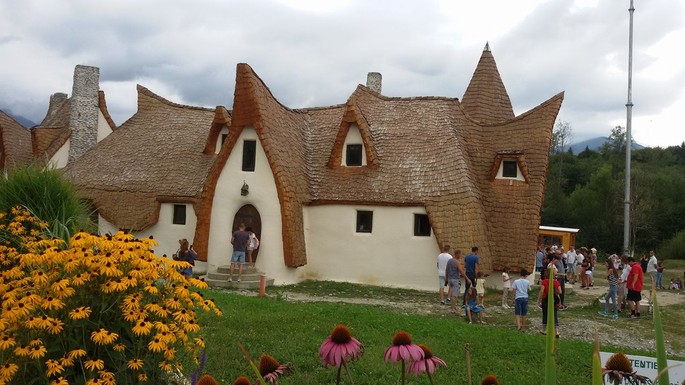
629 138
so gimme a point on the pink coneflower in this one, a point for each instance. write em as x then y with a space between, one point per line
271 370
338 348
426 365
402 349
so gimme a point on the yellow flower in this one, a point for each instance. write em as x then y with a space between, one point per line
60 284
135 364
110 269
66 361
156 345
199 342
22 350
165 366
53 367
76 353
191 326
182 315
119 347
60 381
94 365
142 328
56 326
131 302
169 353
8 370
51 303
80 279
82 312
6 341
39 277
37 351
142 377
173 303
103 337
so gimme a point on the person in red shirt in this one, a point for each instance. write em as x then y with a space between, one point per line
634 284
542 302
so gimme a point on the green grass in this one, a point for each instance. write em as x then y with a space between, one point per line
292 332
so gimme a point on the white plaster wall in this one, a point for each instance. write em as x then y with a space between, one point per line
61 157
389 256
264 197
353 137
103 127
164 231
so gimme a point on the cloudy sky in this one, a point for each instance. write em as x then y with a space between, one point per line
315 52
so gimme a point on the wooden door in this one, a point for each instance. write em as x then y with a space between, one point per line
249 216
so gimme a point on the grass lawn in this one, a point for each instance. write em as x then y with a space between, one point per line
292 332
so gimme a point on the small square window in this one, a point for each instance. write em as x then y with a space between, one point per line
422 227
179 215
364 221
509 169
354 155
249 154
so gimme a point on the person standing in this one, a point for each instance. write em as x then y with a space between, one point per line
612 279
571 265
506 287
539 261
542 302
453 271
560 276
521 288
471 262
652 265
660 275
443 258
239 240
252 244
635 283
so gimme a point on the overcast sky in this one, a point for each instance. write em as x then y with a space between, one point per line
315 52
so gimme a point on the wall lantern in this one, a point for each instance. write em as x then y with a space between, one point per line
245 189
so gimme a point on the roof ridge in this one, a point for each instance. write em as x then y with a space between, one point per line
361 87
515 118
142 90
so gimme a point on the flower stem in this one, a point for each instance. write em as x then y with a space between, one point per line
402 372
337 378
349 376
430 377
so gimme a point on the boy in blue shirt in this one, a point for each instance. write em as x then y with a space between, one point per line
521 288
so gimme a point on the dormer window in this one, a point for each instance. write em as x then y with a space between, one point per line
223 136
354 153
509 165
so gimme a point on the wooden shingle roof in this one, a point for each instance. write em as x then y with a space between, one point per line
486 99
15 143
156 155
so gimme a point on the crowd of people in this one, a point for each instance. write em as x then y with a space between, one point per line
554 268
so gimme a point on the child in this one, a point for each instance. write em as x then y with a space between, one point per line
612 279
472 307
506 287
252 244
521 288
480 287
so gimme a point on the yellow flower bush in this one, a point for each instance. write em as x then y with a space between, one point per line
98 310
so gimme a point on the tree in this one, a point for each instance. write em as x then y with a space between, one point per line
561 137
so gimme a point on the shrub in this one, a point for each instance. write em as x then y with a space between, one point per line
673 248
48 196
101 309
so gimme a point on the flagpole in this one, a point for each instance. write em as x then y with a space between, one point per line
629 138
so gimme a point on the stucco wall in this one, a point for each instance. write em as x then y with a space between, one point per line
353 137
264 197
164 231
390 255
61 157
103 127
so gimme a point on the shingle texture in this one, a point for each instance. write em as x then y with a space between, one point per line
15 143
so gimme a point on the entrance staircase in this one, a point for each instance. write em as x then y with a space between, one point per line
249 279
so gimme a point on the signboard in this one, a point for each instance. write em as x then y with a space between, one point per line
646 366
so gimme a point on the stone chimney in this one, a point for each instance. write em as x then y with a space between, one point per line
83 117
374 80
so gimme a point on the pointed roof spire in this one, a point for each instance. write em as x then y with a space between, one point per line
486 99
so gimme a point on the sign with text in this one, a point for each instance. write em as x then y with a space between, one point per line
646 366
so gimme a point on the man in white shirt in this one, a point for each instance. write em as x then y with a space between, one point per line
571 264
443 258
652 264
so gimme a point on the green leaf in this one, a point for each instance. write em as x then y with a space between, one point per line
661 360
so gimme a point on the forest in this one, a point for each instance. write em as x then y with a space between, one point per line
587 191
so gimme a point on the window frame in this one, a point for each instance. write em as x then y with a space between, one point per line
510 162
249 155
418 222
348 149
364 216
177 218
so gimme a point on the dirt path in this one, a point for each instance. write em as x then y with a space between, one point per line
578 322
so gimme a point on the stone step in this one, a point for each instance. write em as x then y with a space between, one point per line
247 269
251 285
244 277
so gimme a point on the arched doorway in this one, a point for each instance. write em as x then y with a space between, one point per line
249 216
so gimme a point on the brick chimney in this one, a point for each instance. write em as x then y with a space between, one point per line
374 80
83 117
